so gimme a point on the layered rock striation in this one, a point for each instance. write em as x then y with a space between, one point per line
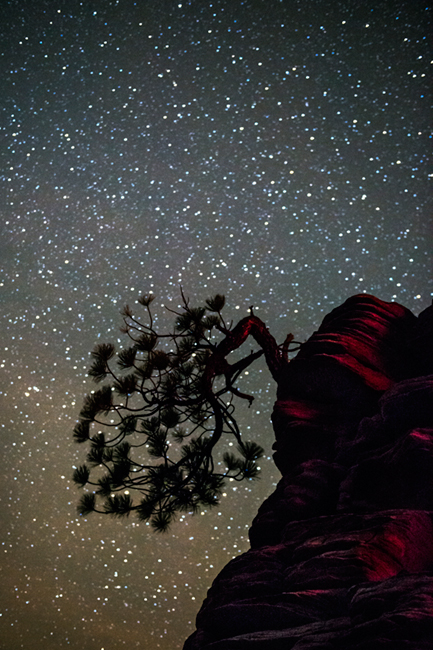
342 552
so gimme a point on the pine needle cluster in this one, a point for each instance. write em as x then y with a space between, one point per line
152 428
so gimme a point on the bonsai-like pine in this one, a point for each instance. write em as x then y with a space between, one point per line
168 400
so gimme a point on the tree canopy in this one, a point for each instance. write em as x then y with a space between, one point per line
165 403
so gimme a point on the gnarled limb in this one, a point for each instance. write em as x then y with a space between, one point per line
250 325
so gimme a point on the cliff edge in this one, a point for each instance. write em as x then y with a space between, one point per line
342 552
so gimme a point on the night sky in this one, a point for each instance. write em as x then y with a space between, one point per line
271 151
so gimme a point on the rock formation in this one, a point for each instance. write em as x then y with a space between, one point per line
342 552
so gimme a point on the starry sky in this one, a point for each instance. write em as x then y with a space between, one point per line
272 151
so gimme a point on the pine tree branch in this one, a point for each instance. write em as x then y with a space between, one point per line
250 325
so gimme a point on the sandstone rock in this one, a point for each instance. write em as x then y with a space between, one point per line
342 552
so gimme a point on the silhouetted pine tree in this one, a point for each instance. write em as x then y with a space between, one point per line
167 402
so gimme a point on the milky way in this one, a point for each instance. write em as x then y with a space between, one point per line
274 152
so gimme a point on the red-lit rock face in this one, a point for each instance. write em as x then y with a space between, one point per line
342 552
404 544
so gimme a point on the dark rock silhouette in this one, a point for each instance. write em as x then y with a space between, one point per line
342 552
